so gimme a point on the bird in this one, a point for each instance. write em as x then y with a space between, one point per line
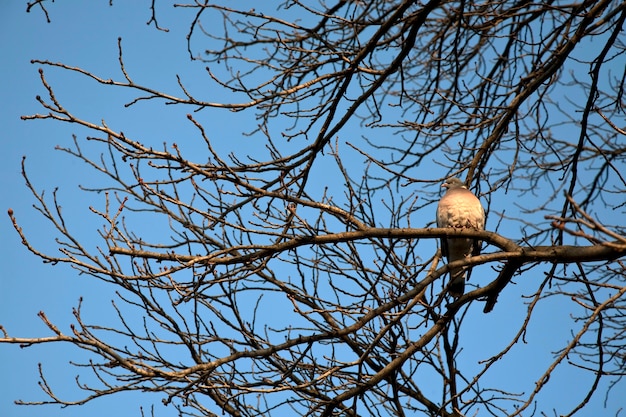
459 208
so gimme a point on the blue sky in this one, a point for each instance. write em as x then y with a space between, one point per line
86 36
77 36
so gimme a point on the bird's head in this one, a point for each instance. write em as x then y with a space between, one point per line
453 183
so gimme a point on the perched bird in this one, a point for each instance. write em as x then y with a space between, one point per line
459 208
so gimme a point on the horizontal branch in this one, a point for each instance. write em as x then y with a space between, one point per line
557 254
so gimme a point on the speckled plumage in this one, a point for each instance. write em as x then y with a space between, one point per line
459 208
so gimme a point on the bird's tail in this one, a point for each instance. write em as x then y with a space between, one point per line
456 288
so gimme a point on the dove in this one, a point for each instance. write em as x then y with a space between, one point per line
459 208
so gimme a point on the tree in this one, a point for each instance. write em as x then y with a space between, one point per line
300 274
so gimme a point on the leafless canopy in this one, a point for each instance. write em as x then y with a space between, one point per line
302 277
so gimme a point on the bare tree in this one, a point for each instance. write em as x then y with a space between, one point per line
273 292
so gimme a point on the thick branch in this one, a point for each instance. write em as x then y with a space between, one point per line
557 254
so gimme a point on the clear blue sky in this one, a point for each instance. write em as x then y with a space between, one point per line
81 36
86 35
